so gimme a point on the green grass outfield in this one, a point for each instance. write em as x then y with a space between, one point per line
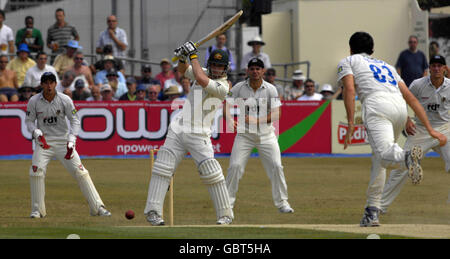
323 192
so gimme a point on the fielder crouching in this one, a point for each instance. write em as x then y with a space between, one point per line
190 131
55 139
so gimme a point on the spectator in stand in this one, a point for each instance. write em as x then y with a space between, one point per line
153 92
176 80
80 69
434 49
68 92
67 82
100 76
6 36
114 36
95 94
60 33
64 61
30 36
141 92
310 92
146 78
270 76
166 71
21 63
107 93
172 93
25 93
327 92
221 40
412 63
131 94
8 82
80 94
118 87
294 91
33 75
256 44
99 65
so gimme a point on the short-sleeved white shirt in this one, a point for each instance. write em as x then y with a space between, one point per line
6 35
33 75
256 103
200 105
314 97
435 102
105 39
371 75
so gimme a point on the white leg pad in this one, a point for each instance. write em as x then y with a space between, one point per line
88 189
162 172
211 175
37 187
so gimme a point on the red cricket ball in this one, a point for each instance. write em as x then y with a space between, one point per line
129 214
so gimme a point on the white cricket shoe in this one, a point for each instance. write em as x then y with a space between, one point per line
286 209
412 161
224 220
35 215
102 212
154 218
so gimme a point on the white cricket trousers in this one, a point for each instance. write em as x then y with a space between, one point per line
170 155
398 177
41 158
384 117
270 155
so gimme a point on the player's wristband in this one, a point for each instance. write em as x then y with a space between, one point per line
193 56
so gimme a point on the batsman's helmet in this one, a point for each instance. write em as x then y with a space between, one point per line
218 57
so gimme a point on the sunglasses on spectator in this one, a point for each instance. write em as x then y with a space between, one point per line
79 58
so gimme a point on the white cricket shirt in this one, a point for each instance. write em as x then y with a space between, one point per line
371 75
255 103
435 101
200 105
51 116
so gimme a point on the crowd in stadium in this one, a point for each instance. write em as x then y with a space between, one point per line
23 60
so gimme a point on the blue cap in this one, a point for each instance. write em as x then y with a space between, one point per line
23 47
73 44
141 87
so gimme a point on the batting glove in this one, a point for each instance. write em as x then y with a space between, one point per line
189 49
179 53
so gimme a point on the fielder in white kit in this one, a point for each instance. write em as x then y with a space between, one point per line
383 94
433 92
55 139
190 131
259 106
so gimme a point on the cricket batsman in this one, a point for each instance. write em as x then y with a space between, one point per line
55 139
190 131
433 93
259 106
383 96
